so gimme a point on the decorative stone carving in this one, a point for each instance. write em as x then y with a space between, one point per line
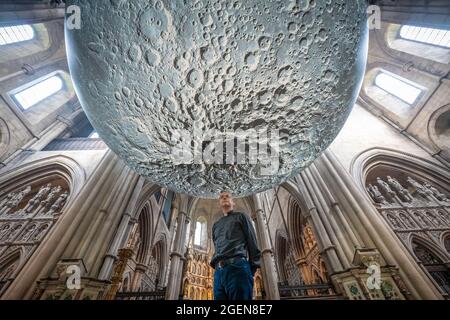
367 257
7 199
60 202
51 196
309 238
423 221
424 255
447 244
38 197
5 274
404 237
28 225
376 194
402 192
4 231
430 190
406 220
436 236
40 232
417 186
386 188
434 219
16 199
13 232
394 222
445 216
28 232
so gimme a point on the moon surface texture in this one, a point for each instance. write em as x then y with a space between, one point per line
202 96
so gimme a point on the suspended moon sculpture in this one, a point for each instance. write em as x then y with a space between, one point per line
201 96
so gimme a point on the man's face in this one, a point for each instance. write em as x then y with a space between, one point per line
226 201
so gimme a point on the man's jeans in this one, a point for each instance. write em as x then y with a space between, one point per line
234 281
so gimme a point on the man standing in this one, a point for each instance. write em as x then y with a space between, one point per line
237 255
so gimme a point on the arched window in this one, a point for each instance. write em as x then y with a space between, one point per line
14 34
201 236
398 86
438 37
7 268
439 130
434 265
447 244
39 91
425 42
403 188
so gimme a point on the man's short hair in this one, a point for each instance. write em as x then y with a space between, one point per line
225 191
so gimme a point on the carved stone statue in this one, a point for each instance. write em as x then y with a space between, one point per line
419 188
8 198
434 192
386 188
51 195
376 194
17 199
402 192
309 237
60 202
38 197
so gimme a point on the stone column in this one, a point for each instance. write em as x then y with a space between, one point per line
176 256
324 240
139 272
268 266
121 233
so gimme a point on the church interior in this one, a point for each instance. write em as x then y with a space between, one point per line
368 219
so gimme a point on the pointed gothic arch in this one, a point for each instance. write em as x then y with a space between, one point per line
145 221
4 138
433 260
424 169
9 264
33 197
281 252
415 191
439 130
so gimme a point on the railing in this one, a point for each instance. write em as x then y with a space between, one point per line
307 291
154 295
